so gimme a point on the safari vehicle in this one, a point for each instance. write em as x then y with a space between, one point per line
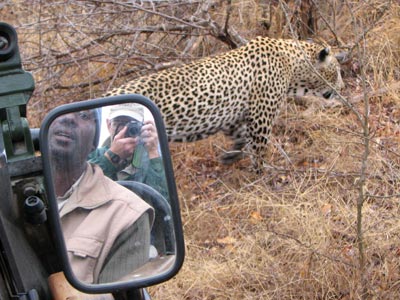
33 248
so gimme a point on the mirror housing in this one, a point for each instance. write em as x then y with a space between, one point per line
176 244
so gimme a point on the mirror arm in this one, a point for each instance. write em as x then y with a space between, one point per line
133 294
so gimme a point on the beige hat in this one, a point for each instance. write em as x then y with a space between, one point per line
132 110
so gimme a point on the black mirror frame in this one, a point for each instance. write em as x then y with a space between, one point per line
53 215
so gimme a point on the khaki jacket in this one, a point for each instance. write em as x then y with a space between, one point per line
95 214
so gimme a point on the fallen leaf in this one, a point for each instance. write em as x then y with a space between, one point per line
255 217
326 209
228 240
348 251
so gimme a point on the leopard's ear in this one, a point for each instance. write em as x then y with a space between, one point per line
324 53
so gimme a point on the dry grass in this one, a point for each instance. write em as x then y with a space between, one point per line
291 233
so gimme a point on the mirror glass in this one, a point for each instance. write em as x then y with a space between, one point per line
108 177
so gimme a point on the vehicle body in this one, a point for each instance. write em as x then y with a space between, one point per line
32 247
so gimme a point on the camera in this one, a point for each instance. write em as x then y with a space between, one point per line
133 128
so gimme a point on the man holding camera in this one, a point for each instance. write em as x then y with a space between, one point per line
131 152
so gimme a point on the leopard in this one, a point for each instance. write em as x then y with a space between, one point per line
239 92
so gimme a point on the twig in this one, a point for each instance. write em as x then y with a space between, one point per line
363 34
379 92
341 98
287 236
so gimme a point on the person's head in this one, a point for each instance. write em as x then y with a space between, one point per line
122 114
73 136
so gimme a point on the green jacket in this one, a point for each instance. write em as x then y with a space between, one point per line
141 169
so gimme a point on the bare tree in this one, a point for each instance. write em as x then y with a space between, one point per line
79 49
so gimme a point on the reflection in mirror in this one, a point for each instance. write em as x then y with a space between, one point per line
129 147
112 198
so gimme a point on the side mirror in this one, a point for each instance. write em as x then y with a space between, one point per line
115 215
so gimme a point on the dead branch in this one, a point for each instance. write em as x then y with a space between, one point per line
393 87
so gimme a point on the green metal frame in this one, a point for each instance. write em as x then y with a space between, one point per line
16 88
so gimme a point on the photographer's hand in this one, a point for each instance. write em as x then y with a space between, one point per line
124 146
150 138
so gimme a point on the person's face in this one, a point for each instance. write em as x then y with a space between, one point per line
117 124
71 136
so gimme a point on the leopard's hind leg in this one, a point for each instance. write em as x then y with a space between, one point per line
238 134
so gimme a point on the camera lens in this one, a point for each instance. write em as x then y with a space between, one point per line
133 129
